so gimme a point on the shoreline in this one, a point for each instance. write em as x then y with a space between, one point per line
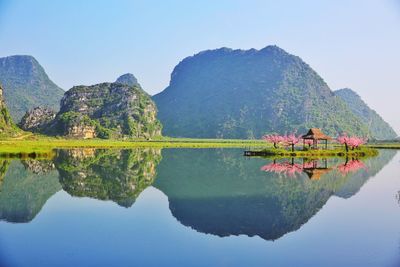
39 144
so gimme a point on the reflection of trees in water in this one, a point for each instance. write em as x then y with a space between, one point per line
117 175
25 190
3 169
222 193
314 168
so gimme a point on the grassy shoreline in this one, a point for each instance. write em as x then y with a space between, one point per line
42 144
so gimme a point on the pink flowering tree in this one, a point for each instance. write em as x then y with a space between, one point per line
351 141
291 140
308 142
274 139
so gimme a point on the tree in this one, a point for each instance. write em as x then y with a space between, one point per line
351 141
308 142
292 140
274 139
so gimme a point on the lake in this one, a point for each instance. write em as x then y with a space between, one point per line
198 207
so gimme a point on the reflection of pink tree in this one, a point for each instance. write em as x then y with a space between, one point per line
285 167
291 140
309 165
351 166
351 141
274 139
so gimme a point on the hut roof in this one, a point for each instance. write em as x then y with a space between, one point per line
316 133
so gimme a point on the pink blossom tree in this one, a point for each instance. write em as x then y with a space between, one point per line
351 141
355 142
308 142
291 140
274 139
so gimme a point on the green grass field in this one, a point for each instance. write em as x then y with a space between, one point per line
43 145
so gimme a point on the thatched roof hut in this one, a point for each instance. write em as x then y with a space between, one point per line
316 134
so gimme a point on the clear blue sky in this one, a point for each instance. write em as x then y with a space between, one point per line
349 43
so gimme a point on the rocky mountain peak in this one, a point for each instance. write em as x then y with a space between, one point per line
128 79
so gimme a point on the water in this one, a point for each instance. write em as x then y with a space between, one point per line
198 207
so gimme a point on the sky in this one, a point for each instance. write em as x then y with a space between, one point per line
351 44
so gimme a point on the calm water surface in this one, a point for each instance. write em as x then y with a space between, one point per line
198 207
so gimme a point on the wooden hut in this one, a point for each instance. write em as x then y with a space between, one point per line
316 134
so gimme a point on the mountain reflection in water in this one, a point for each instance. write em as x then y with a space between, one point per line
116 175
217 192
214 191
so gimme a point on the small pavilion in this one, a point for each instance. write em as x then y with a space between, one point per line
316 134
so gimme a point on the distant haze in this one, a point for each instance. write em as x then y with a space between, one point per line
351 44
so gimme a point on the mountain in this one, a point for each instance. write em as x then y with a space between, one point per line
128 79
37 120
7 126
379 128
26 85
229 93
106 110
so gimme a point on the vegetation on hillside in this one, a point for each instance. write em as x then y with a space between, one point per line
7 126
379 128
227 93
26 85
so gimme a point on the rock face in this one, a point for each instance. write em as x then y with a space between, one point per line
37 119
82 131
379 128
107 110
27 85
247 93
7 127
128 79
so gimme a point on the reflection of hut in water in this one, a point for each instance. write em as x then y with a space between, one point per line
314 170
315 134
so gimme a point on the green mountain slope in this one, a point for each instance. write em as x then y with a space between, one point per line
26 85
379 128
7 126
247 93
107 110
128 79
